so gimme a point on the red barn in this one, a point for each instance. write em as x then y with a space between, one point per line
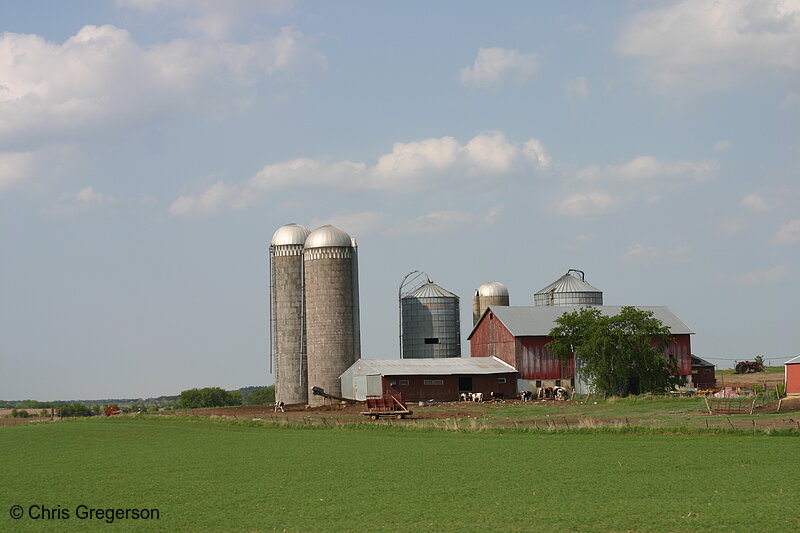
792 375
519 335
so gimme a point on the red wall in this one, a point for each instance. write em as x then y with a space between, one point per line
492 339
537 362
792 379
416 389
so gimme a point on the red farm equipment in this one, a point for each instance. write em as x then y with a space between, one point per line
745 367
386 405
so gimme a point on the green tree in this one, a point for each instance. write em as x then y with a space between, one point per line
617 352
208 397
261 396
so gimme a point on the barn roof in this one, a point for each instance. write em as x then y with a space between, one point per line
428 367
537 321
793 361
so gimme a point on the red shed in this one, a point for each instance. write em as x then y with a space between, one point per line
519 335
425 379
792 375
703 373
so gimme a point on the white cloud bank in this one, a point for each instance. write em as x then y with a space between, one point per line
758 277
100 79
649 255
648 168
410 166
586 204
789 233
714 41
494 67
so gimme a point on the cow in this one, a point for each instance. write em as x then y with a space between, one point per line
560 393
279 405
477 396
465 396
526 396
497 396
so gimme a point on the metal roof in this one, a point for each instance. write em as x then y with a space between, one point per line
327 236
493 288
428 367
431 290
568 283
537 321
793 361
290 234
700 361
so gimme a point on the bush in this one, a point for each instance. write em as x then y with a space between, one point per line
208 397
22 413
75 409
262 396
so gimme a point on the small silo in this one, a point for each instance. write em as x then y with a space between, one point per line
492 293
569 289
333 338
429 323
287 334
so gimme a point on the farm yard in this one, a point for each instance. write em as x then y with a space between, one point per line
330 469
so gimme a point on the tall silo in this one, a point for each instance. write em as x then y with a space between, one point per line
429 322
332 324
492 293
287 331
569 289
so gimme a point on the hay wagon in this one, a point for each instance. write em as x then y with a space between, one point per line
386 405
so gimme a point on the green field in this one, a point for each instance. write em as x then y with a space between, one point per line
224 476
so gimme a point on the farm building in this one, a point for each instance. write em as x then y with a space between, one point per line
519 335
792 375
428 379
703 373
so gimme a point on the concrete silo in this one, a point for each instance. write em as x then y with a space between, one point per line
429 322
569 289
492 293
287 331
333 337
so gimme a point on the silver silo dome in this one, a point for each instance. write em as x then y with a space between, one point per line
492 293
333 336
287 334
569 289
429 322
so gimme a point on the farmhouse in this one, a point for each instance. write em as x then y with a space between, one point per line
792 375
425 379
519 335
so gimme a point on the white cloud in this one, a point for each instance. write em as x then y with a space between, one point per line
755 203
576 90
409 167
712 41
721 146
788 233
211 18
648 168
648 255
585 204
495 67
445 221
14 168
100 79
84 200
758 277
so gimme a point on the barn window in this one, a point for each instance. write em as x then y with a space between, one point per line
392 383
707 371
434 382
432 340
501 380
558 383
539 383
403 382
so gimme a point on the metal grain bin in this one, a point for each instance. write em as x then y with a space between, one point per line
287 334
569 289
430 324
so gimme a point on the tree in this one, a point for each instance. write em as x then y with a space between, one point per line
262 396
619 352
208 397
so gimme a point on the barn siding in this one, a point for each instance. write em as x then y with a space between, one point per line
492 339
537 362
792 378
416 389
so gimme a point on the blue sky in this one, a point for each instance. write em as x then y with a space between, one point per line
149 149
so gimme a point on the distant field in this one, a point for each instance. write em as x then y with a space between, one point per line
206 475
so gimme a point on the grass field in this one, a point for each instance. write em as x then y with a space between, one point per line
206 475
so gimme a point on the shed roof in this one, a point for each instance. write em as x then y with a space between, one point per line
428 367
537 321
793 361
699 361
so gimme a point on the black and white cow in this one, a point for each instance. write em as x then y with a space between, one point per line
526 396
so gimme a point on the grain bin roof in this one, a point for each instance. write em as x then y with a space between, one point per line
568 283
328 236
430 367
493 288
537 321
290 234
431 290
